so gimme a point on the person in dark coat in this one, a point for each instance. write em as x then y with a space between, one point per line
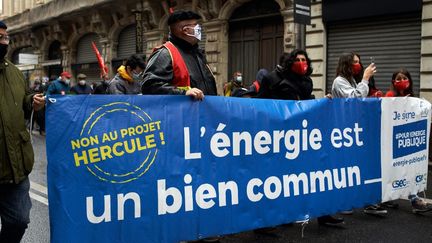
291 81
81 87
184 73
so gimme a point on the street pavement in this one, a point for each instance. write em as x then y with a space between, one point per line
399 225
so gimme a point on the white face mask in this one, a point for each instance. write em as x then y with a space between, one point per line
67 81
197 32
82 82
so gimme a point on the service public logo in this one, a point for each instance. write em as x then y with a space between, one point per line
118 143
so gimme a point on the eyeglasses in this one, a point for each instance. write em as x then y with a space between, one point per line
5 39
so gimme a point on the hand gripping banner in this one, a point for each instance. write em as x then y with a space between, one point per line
167 168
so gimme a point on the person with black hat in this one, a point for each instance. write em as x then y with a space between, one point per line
16 152
81 87
179 67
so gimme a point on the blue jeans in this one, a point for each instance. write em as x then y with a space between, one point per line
15 207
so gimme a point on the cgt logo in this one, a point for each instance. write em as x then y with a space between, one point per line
400 183
420 178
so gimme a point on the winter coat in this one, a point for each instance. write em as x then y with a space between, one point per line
158 77
81 89
58 87
285 86
16 152
120 84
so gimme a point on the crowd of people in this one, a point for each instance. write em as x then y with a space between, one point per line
178 67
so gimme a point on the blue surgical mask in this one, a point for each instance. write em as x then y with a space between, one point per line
136 76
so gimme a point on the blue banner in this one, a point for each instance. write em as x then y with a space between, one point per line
167 168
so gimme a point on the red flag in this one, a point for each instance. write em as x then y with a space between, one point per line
103 68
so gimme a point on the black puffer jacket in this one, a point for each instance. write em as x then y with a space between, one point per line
285 86
159 71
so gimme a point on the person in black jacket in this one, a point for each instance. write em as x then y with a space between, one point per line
165 76
291 81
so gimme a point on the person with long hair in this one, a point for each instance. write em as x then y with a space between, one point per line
373 90
291 81
345 86
401 84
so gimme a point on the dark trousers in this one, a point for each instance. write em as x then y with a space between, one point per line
15 207
39 118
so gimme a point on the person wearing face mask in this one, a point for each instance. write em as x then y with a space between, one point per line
345 86
81 87
129 76
291 81
373 90
401 86
179 67
61 86
16 151
234 84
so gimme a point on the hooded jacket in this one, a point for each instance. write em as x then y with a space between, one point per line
123 83
16 152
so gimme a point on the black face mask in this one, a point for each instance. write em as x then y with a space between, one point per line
3 51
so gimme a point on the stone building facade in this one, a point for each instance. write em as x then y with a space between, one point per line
242 35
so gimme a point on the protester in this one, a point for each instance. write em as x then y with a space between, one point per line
256 85
16 152
291 81
38 116
373 90
128 77
401 84
45 84
234 84
81 87
345 86
61 86
179 66
101 87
